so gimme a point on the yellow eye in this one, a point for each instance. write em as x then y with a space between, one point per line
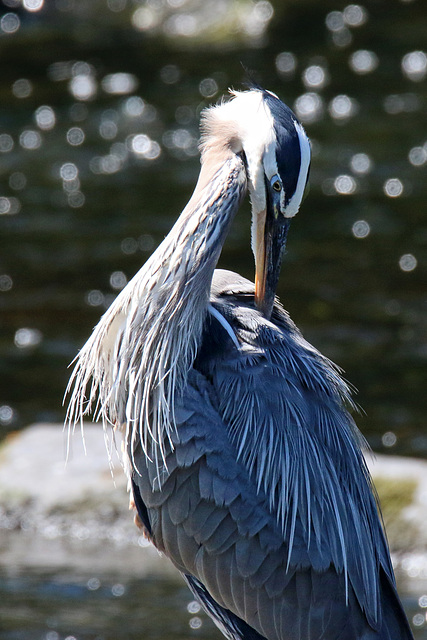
277 186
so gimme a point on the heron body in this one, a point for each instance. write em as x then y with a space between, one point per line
244 463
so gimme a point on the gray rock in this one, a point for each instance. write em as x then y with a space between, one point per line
59 509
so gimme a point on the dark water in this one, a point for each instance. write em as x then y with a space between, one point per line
96 165
55 607
84 607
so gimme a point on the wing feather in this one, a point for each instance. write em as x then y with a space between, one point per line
264 502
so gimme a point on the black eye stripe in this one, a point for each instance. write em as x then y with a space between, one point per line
288 151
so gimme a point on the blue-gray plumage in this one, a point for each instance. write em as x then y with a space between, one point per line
245 464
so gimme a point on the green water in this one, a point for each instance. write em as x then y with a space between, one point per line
355 273
85 607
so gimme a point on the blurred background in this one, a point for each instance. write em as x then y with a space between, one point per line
99 113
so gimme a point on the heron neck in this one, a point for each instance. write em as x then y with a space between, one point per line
142 349
175 291
191 250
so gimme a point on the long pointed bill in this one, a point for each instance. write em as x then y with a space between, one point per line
270 245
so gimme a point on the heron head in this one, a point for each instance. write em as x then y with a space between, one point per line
276 151
278 168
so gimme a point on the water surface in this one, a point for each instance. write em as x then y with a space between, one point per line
99 114
69 606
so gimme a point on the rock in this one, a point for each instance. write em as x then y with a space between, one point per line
59 510
402 488
36 467
68 510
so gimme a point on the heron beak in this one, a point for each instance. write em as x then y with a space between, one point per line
271 233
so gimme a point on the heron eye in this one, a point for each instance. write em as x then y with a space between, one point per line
277 186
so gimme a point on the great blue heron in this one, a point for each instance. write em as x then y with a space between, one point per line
244 463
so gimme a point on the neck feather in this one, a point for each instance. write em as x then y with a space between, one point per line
137 359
